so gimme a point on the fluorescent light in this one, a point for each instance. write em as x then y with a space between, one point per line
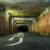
46 0
23 18
12 20
33 20
7 14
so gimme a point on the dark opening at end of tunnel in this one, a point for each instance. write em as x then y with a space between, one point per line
23 29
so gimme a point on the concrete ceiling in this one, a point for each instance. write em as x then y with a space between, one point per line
23 22
23 19
27 24
35 6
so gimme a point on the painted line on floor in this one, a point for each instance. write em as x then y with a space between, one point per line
19 42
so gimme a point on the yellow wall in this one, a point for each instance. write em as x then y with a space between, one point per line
43 26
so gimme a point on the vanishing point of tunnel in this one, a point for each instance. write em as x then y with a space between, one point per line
24 24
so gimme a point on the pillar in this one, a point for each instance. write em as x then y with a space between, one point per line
29 28
2 23
6 25
14 28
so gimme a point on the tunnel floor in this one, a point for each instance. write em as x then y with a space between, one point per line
24 41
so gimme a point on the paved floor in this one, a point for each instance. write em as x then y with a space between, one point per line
24 41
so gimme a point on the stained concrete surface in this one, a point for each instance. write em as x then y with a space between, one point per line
30 42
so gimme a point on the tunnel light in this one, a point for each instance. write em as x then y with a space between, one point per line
46 10
12 20
23 24
23 18
33 20
11 11
7 14
31 28
46 0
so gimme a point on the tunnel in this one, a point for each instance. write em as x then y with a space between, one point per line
22 29
24 24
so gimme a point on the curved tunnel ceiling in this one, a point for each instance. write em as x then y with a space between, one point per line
35 6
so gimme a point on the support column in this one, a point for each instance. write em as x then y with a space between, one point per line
16 28
6 25
29 28
2 24
32 29
12 25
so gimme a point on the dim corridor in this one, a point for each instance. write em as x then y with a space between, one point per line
23 29
24 24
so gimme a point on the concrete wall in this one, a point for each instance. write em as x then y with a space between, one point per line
6 26
43 25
